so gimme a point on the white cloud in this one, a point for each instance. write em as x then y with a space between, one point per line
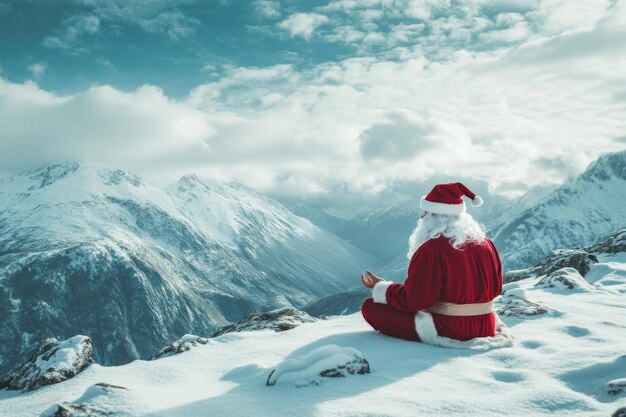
37 69
303 24
513 116
269 9
153 16
70 34
130 130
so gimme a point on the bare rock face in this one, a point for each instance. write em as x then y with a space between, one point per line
50 363
276 320
181 345
328 361
95 402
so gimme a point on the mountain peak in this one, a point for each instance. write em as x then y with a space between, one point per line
607 166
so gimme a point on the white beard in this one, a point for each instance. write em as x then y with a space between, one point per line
418 237
459 228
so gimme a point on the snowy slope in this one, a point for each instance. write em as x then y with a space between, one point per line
578 213
89 250
561 365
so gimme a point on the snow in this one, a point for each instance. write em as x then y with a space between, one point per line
309 368
561 365
65 357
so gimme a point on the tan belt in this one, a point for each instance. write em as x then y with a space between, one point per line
451 309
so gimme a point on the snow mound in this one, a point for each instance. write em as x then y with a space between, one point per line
52 362
98 400
323 362
565 279
276 320
514 302
181 345
616 386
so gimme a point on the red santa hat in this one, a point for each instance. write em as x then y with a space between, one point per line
446 199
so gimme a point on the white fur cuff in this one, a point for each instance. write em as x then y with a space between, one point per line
379 291
442 208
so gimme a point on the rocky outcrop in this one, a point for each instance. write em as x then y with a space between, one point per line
565 278
51 362
514 302
579 259
276 320
90 404
614 244
328 361
181 345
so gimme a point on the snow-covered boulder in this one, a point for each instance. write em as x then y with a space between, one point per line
181 345
579 259
52 362
514 302
276 320
324 362
616 387
98 400
565 279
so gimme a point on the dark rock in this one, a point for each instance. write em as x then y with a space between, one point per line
276 320
181 345
50 363
357 366
579 259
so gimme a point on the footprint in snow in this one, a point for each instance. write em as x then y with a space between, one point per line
576 331
532 344
507 376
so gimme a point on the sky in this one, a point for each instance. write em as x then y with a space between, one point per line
336 103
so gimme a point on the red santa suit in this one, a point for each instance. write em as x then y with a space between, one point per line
440 273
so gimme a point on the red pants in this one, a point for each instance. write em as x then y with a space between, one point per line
390 321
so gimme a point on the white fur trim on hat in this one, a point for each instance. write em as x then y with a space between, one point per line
379 291
442 208
427 332
477 201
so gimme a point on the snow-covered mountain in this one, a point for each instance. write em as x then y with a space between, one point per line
89 250
568 360
582 211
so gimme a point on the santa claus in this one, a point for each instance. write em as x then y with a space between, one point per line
453 277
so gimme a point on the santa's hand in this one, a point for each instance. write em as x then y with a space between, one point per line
370 280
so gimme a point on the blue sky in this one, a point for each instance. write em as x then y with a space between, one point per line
334 101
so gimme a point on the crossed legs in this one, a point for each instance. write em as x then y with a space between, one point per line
390 321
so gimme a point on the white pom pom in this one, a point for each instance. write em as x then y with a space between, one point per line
477 201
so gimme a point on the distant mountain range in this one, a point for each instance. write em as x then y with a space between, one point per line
89 250
584 210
